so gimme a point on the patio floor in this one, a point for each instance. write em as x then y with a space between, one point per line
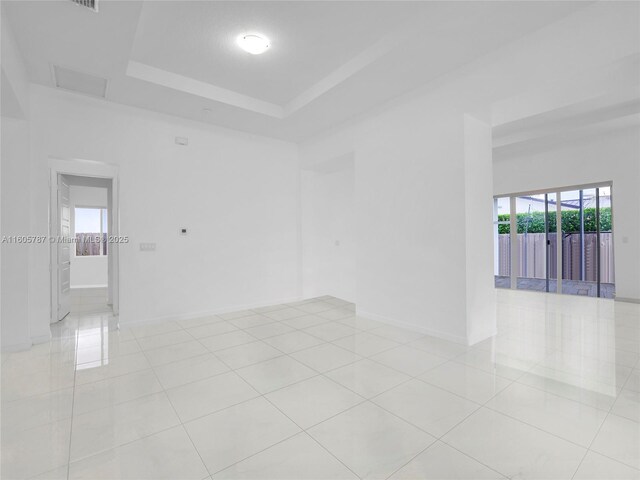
570 287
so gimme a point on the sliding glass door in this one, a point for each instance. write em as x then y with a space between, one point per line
551 221
532 242
502 246
557 241
606 277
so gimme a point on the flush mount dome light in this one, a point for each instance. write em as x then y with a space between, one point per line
254 43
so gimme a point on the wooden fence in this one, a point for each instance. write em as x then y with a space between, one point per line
531 257
89 244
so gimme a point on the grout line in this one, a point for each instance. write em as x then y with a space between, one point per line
144 436
302 430
164 391
451 359
264 396
330 453
440 437
261 395
142 350
541 389
295 423
128 442
600 428
73 402
323 374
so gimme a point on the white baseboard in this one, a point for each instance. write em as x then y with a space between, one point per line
41 338
409 326
26 345
482 337
627 299
190 315
16 347
73 287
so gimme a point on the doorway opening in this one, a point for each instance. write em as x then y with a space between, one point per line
559 240
83 219
89 215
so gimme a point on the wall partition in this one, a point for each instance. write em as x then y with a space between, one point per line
558 241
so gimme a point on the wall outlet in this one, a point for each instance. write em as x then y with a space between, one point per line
147 247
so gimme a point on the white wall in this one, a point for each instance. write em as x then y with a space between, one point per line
15 202
410 267
613 156
14 221
88 271
236 193
15 83
328 229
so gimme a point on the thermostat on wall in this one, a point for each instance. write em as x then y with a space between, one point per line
182 231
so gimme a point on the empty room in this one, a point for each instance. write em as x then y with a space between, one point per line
318 240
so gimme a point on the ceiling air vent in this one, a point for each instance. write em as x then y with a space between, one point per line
90 4
79 82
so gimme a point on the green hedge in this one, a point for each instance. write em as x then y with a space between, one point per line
534 222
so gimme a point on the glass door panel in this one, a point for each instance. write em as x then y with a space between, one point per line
607 274
573 214
532 272
502 243
583 251
552 243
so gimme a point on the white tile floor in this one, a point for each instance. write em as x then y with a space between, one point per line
86 300
309 390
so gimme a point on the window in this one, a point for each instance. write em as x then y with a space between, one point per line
91 231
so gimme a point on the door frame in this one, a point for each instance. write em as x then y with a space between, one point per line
62 181
84 168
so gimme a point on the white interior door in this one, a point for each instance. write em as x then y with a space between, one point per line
64 249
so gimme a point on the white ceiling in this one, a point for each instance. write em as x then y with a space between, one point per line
309 40
329 61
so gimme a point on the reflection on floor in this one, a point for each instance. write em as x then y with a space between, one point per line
89 300
569 287
310 390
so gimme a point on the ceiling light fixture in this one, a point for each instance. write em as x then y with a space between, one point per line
254 43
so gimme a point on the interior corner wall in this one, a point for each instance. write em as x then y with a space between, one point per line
237 195
328 230
409 187
16 331
612 156
15 81
409 184
478 217
14 174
